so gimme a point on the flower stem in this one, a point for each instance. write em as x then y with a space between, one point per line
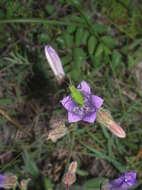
74 127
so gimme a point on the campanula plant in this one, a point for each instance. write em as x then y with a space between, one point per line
81 104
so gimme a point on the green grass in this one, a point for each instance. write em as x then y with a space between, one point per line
98 49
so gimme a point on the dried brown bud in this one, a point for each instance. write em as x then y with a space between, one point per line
70 177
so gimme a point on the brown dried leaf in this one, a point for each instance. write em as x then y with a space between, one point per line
57 133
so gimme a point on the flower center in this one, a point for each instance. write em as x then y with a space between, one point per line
88 108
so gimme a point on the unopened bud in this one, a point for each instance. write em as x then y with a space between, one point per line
104 118
24 184
55 63
70 176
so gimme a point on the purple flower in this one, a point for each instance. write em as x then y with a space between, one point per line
124 182
8 181
55 63
87 112
3 181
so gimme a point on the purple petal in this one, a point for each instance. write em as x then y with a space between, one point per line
117 182
84 87
131 178
90 118
97 101
68 103
73 117
124 182
3 181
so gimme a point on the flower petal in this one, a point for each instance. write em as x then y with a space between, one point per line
90 118
124 182
68 103
84 87
3 181
117 182
131 178
97 101
73 117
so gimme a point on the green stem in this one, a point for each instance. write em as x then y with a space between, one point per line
34 20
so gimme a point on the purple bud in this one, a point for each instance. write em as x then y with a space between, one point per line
55 63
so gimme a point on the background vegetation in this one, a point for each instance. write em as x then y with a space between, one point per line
99 41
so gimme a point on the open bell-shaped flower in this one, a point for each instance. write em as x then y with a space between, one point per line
88 111
124 182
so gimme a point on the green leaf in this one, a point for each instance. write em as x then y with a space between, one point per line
78 36
109 41
61 41
136 43
47 184
85 37
99 50
75 2
82 172
92 42
97 61
43 38
49 8
6 101
68 40
107 51
30 164
116 59
66 59
71 28
76 74
79 57
105 132
100 28
131 61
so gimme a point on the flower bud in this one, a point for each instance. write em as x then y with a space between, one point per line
55 63
70 175
104 118
24 184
